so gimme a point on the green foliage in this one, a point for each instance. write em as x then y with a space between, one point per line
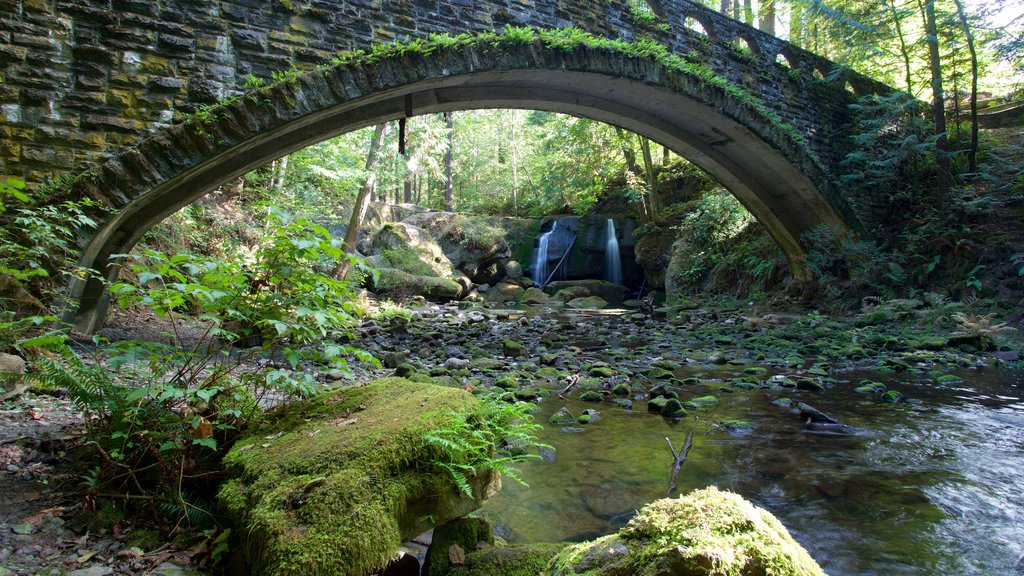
492 437
37 241
159 412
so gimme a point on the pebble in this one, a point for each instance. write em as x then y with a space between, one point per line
92 571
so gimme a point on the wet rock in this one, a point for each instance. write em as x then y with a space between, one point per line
869 387
601 372
656 404
891 396
535 296
591 396
809 385
621 390
513 270
808 412
92 571
783 402
673 408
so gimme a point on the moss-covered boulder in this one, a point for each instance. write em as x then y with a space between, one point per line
400 283
334 484
411 249
705 532
614 294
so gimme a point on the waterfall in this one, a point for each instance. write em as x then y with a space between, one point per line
612 261
540 262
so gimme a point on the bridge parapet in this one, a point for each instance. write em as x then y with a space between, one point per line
83 79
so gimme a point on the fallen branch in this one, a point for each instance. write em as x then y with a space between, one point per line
678 459
572 382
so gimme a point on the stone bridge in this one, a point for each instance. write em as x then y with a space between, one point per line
99 88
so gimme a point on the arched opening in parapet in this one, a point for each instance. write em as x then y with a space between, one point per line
781 60
767 169
695 25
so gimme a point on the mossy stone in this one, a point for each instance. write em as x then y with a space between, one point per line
516 560
621 390
659 374
673 409
591 396
656 404
705 532
467 533
486 364
949 379
891 396
513 348
298 482
601 372
562 418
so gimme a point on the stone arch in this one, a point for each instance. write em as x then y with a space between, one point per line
761 161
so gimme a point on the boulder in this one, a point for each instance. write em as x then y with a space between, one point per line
412 250
535 296
705 532
477 246
505 292
513 270
614 294
333 485
653 252
467 534
11 387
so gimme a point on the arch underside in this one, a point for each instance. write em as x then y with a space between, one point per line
775 188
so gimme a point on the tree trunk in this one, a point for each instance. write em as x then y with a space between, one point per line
362 203
652 184
737 9
767 9
972 152
724 7
938 101
279 174
903 44
748 12
449 192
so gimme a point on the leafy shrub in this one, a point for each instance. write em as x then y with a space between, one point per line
161 413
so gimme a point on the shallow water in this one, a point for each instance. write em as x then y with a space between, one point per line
930 486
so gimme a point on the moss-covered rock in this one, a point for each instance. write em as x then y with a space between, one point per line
466 533
602 372
613 294
563 417
520 560
400 283
513 348
332 485
705 532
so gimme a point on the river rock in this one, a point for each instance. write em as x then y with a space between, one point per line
535 295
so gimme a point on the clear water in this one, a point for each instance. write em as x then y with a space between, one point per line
932 486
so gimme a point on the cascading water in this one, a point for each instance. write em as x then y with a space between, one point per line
540 262
612 260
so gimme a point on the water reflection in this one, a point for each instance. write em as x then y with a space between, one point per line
931 486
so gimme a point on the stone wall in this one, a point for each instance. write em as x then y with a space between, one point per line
83 79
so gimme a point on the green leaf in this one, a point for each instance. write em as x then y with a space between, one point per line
210 443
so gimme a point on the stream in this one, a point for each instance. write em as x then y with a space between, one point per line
933 485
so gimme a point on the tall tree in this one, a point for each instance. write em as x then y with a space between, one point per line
972 152
767 10
449 191
938 99
362 203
